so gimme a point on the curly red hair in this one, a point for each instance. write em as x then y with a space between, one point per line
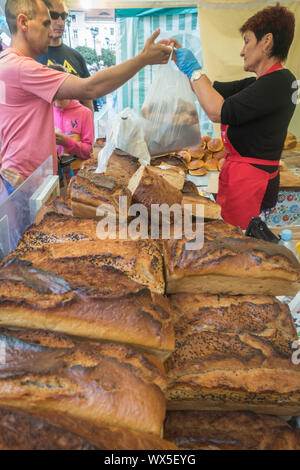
277 20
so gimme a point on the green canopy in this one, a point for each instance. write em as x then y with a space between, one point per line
138 12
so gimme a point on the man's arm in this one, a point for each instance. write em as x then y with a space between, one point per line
88 104
106 81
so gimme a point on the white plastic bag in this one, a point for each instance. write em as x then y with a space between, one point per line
124 132
170 117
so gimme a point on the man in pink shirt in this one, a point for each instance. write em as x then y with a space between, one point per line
28 89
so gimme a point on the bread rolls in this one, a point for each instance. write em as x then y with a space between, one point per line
205 139
215 145
211 164
195 164
198 172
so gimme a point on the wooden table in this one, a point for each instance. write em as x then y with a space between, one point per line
294 228
289 181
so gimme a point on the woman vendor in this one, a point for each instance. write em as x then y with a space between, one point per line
254 113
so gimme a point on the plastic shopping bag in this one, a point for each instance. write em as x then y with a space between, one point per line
169 112
124 132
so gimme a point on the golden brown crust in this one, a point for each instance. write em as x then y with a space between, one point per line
148 188
205 139
172 174
215 145
185 154
31 298
52 227
221 154
211 210
174 160
121 168
79 263
198 172
69 247
88 191
20 431
243 430
105 437
197 152
229 254
211 164
59 207
101 383
195 164
90 165
190 188
233 352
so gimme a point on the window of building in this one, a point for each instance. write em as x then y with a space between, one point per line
75 34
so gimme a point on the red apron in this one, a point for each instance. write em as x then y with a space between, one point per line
242 186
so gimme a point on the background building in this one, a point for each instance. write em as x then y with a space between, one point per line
91 28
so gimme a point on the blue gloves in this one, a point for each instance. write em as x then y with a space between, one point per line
186 61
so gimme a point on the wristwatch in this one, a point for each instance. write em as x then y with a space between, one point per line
197 74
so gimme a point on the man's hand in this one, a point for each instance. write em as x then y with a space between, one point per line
186 61
155 53
12 177
60 138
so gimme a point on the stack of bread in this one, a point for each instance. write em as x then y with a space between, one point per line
209 156
85 329
95 349
234 342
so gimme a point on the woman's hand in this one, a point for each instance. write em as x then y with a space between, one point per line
172 42
60 138
12 177
186 61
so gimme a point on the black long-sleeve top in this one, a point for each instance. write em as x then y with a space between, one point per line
258 113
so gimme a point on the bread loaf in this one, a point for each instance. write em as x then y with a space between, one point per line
173 160
236 430
62 431
69 247
121 168
211 210
190 188
20 431
81 263
88 191
233 353
124 311
100 383
90 165
172 174
230 263
148 188
58 206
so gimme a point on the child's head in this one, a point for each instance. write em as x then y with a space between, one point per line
60 104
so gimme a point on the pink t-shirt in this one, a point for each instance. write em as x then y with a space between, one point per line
75 119
27 90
